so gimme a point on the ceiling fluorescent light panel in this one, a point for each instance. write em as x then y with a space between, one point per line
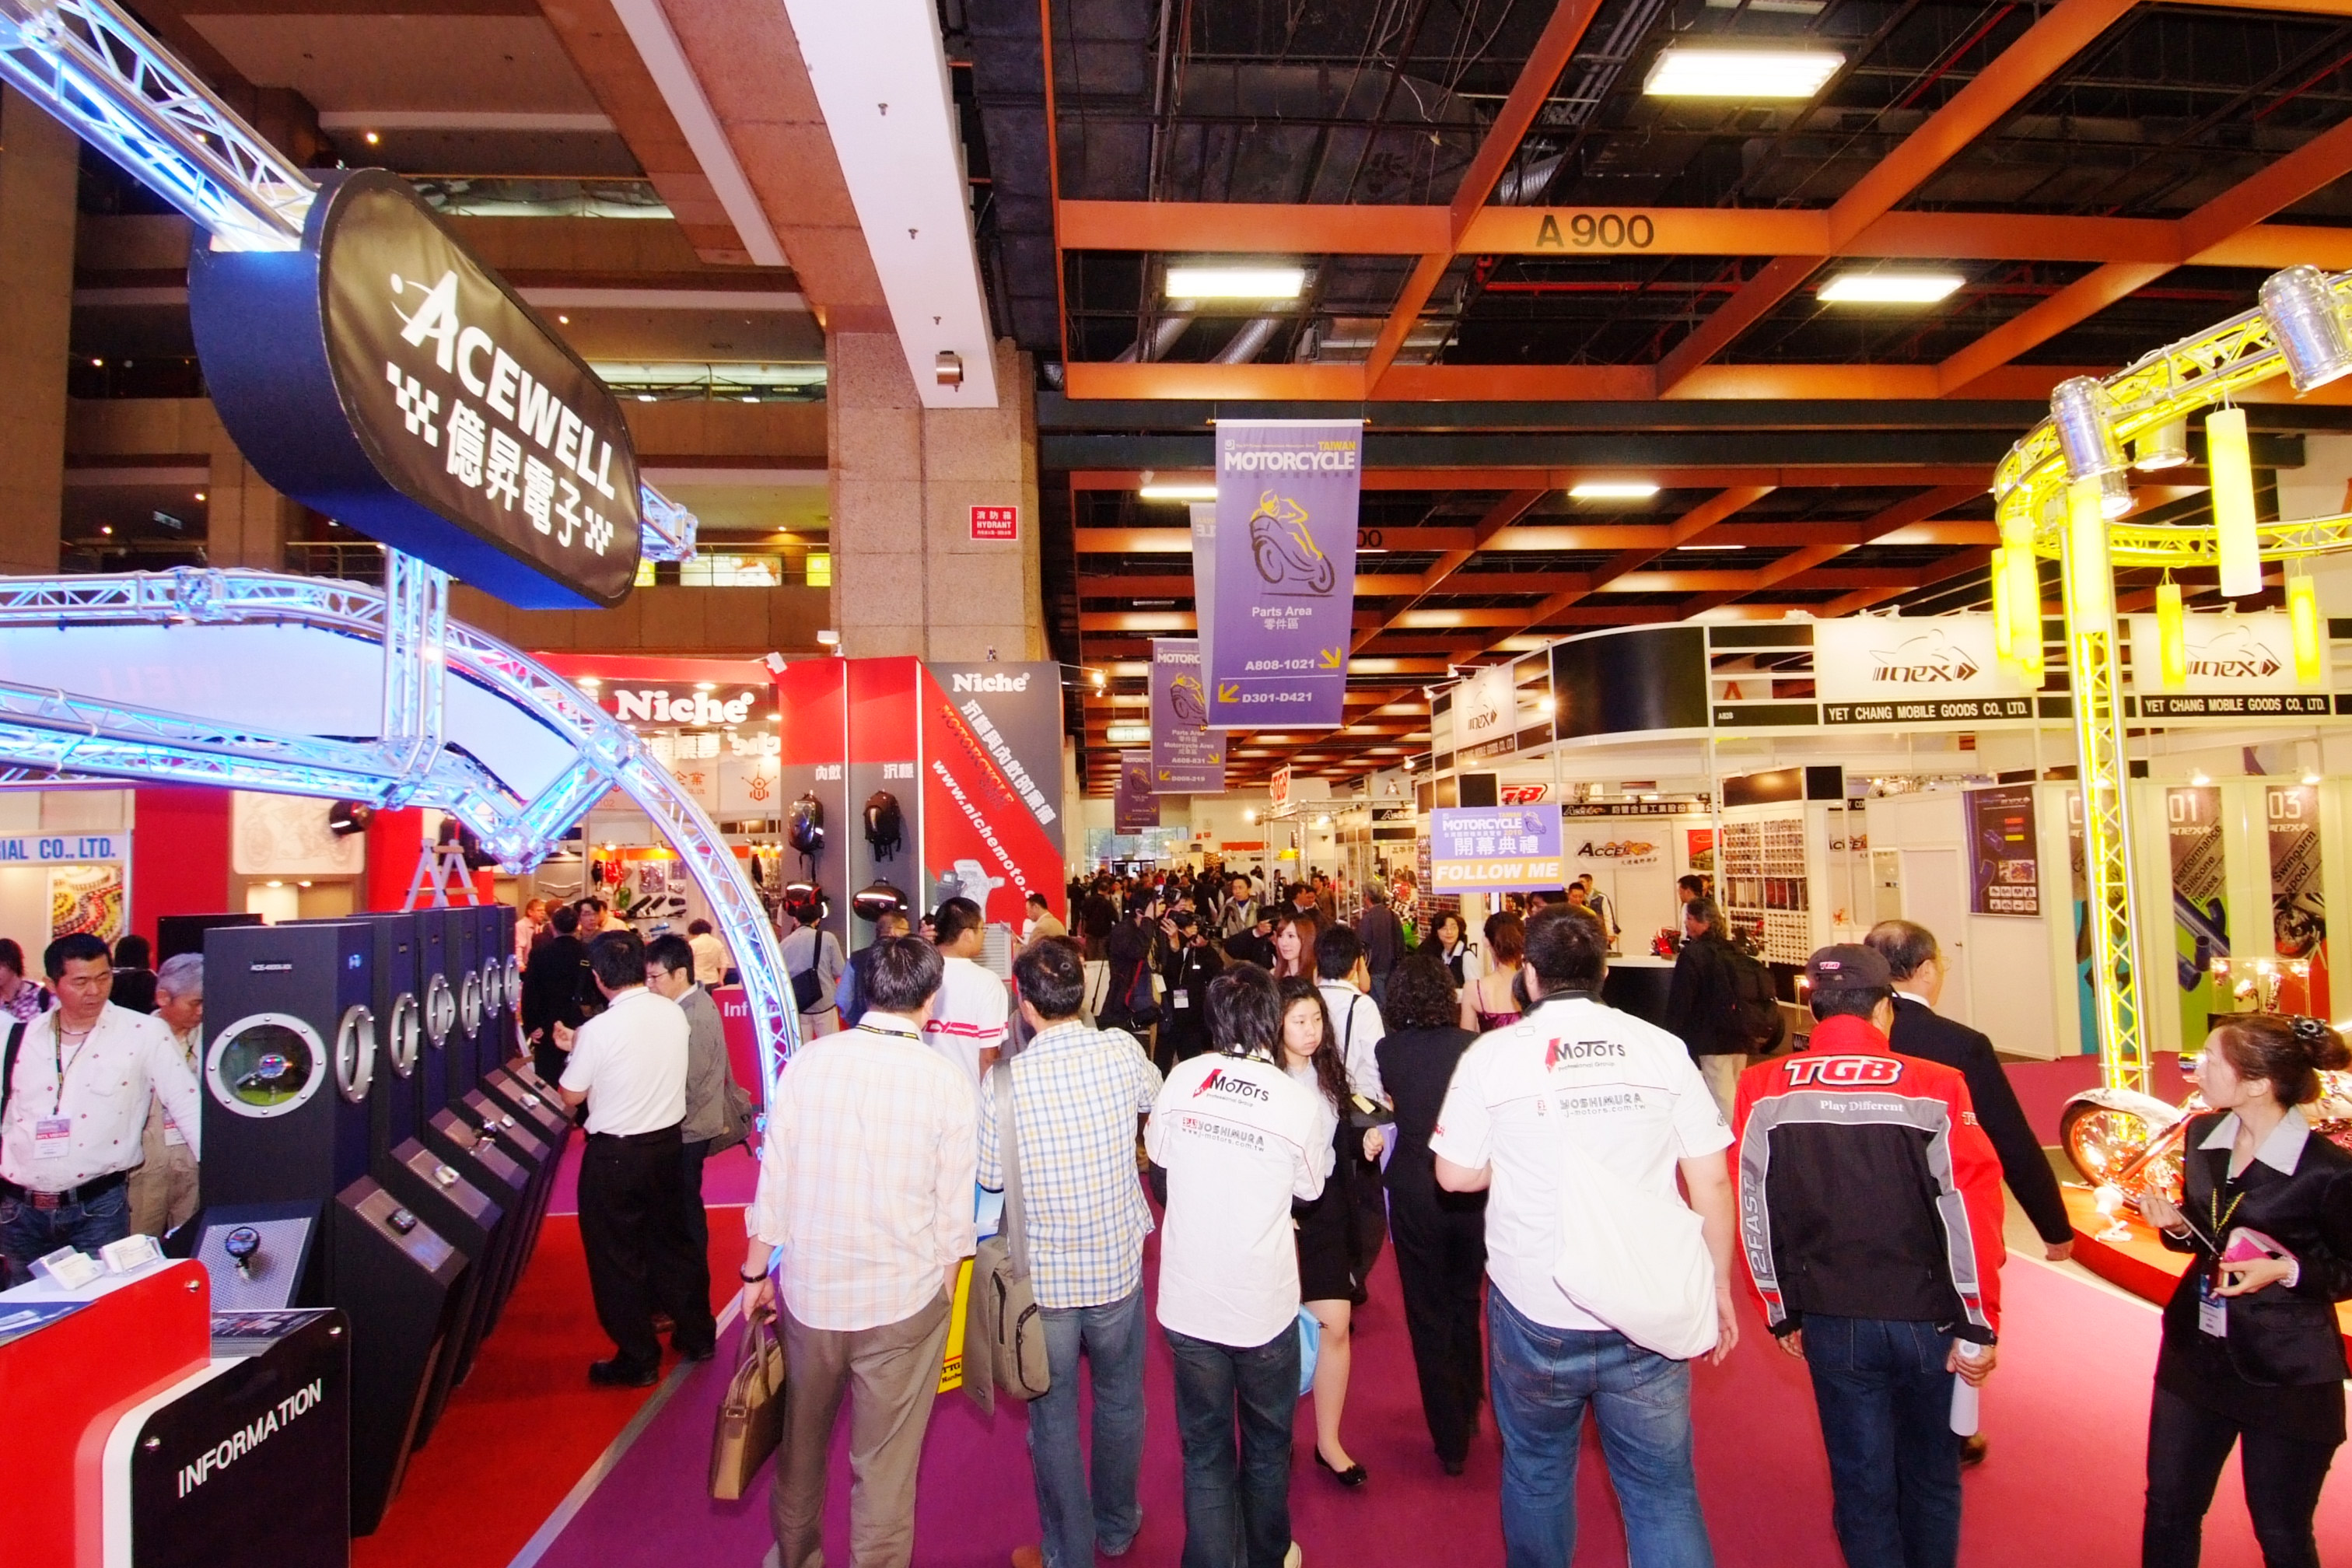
1691 71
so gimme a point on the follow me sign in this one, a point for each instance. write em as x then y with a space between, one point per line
61 851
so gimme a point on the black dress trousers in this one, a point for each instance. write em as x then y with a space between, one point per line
640 1258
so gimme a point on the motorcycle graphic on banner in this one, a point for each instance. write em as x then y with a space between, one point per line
1187 757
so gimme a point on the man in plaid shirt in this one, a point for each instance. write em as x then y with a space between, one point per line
1076 1093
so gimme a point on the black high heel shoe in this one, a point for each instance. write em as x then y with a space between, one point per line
1351 1478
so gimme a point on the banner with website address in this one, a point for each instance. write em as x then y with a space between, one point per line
1187 757
1278 607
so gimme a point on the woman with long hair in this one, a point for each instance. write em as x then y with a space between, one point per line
1490 1002
1294 945
2252 1357
1450 941
1441 1236
1329 1268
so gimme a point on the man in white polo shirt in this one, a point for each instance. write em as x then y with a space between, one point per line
628 1067
968 1016
1626 1096
1239 1139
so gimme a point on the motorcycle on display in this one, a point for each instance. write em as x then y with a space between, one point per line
2132 1143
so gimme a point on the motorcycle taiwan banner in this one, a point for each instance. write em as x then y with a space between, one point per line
1187 757
2004 857
1494 848
1135 809
2298 906
2200 910
1278 610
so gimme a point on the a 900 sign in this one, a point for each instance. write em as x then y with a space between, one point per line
1604 231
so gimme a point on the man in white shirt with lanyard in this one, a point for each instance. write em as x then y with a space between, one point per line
971 1013
1627 1095
74 1088
628 1067
1239 1139
865 1209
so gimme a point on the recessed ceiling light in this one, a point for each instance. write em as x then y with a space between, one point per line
1690 71
1710 547
1889 288
1235 282
373 138
1613 490
1158 492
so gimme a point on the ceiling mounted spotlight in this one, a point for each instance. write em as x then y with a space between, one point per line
2164 446
2084 416
949 368
2307 326
2115 493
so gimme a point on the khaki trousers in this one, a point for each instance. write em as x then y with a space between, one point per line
161 1192
895 1372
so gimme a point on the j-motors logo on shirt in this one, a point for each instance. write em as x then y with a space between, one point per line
1218 1082
1574 1051
1842 1072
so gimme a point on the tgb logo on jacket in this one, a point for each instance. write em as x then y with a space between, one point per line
1842 1072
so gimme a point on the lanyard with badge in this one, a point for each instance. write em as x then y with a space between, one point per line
53 1134
2212 1307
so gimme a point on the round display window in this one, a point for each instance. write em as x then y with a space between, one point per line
404 1034
440 1011
266 1065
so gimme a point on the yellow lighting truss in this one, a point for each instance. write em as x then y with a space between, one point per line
2029 496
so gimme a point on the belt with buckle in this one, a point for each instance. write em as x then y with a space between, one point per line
95 1187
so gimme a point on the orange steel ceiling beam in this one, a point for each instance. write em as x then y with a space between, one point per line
1163 380
1500 516
2064 32
1942 571
1822 476
1902 514
2311 167
1691 524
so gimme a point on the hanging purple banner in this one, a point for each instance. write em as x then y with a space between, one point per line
1277 616
1187 757
1135 809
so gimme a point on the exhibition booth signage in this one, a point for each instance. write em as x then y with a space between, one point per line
382 375
1276 582
1187 757
1494 848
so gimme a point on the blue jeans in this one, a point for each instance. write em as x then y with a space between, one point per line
27 1233
1542 1380
1236 1512
1885 1405
1075 1517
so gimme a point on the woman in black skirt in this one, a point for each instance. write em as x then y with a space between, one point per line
2251 1353
1440 1236
1330 1267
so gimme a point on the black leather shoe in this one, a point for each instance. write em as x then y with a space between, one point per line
1351 1478
617 1374
699 1353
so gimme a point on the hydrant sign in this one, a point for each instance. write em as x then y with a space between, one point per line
996 522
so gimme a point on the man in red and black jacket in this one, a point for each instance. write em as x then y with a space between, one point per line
1870 1215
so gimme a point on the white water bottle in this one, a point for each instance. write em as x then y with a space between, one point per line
1964 1392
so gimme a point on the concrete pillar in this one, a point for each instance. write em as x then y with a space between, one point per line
907 576
40 165
245 521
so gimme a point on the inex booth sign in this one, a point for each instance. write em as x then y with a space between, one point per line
385 376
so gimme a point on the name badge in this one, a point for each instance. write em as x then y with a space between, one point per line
2212 1310
1182 998
51 1136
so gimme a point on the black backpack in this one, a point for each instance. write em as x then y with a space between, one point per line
1755 1013
885 824
806 832
1136 1008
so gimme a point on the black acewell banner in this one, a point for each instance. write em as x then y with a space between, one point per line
385 376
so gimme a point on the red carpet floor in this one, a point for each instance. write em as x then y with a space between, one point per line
525 1424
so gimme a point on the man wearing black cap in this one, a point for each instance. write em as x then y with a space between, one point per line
1870 1218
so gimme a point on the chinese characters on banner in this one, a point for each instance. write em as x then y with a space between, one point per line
2200 909
1494 848
1277 604
2004 858
2298 906
1135 809
1187 757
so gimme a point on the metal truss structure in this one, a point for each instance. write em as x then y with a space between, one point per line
2029 492
95 737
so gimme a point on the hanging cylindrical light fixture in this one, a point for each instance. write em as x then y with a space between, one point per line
2083 416
2160 446
2024 591
2231 464
2303 614
2115 493
2089 586
2307 325
2171 635
1996 577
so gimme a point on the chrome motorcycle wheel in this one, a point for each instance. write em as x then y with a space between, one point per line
2101 1142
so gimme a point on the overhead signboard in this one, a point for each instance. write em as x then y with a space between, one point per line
1187 757
1135 809
1014 712
1890 669
1485 712
2239 667
386 376
1494 848
1279 604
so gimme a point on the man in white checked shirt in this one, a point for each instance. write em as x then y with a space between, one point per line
865 1206
1076 1093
